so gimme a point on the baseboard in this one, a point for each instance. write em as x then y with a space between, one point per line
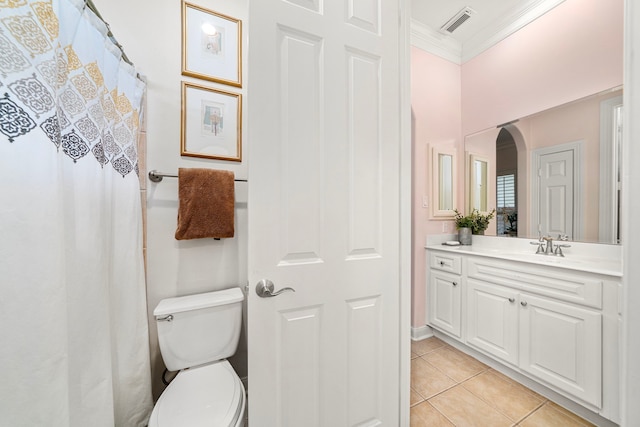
421 332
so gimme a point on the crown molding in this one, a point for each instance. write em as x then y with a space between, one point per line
445 46
435 42
505 26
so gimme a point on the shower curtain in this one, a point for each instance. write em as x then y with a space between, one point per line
73 326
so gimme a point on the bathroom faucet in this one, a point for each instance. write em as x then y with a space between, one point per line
547 242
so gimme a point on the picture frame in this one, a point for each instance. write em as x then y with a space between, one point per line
211 45
211 123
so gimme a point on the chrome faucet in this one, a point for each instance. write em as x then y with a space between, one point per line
546 247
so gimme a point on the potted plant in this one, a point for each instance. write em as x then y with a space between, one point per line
512 229
474 223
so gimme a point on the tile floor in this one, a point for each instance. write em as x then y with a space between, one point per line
451 388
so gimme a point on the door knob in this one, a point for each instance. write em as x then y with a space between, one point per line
265 289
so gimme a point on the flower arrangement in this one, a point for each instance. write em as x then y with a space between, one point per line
476 221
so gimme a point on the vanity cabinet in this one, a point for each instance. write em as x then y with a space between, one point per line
553 325
445 296
561 344
557 342
492 319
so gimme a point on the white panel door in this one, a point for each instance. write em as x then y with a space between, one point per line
324 195
556 201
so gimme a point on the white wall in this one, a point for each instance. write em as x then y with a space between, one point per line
150 32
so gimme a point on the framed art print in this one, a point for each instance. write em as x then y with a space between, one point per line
211 123
211 45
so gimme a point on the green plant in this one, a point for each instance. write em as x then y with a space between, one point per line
476 221
512 218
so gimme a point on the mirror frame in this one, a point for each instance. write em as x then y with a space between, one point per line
471 182
437 212
608 175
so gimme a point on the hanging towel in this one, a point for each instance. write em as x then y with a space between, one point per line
206 204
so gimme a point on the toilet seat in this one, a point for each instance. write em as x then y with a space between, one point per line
208 395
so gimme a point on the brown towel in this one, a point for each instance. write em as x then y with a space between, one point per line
207 202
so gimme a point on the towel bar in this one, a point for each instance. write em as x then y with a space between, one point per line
156 176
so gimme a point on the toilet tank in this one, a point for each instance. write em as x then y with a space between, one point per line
198 329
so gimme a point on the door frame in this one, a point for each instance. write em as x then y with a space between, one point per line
406 207
610 176
578 212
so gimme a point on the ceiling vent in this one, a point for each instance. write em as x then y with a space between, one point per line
457 20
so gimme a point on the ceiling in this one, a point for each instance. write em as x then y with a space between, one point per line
490 22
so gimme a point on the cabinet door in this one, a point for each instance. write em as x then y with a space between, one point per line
562 344
444 302
492 319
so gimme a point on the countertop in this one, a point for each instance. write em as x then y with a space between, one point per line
582 258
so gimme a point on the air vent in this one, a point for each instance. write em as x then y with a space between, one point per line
457 20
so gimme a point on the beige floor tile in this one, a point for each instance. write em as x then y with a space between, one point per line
552 415
464 409
415 398
426 345
427 380
504 395
516 384
454 363
425 415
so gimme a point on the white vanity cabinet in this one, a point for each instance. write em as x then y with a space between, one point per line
561 344
556 326
492 319
547 322
445 293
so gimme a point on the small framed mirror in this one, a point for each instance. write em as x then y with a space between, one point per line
478 179
443 181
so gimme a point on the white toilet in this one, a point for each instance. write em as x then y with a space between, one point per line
196 334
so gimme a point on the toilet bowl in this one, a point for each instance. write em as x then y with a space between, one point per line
196 334
210 395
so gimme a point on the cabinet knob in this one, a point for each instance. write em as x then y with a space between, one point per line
523 303
441 263
454 283
512 299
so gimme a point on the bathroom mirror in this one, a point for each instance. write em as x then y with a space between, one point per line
477 179
443 181
564 160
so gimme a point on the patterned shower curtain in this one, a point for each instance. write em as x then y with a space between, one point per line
73 326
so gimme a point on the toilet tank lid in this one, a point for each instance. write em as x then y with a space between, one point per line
198 301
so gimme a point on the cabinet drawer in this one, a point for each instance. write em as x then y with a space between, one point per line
445 261
559 284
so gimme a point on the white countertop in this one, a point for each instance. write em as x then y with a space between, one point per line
586 257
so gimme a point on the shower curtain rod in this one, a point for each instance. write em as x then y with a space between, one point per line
94 9
156 176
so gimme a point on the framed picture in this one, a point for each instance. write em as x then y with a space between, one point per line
211 123
211 45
